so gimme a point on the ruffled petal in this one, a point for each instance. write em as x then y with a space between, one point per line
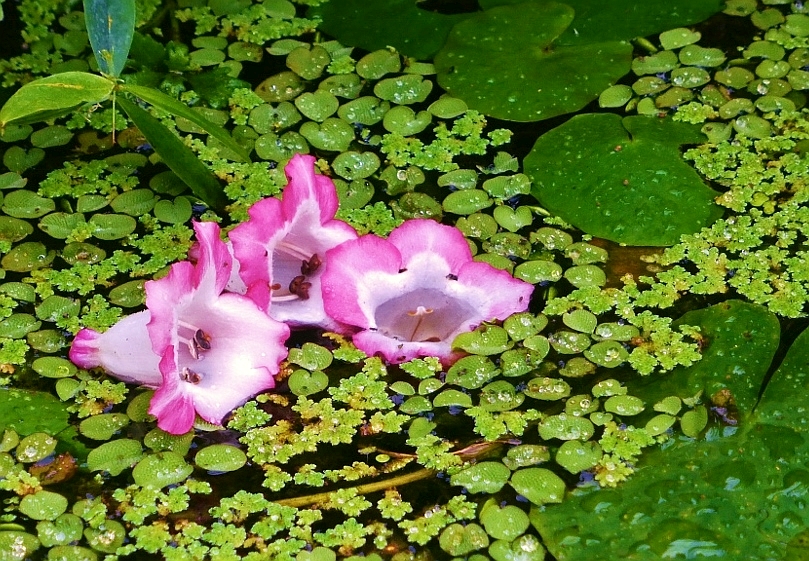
353 277
500 294
165 297
284 243
305 186
415 237
124 351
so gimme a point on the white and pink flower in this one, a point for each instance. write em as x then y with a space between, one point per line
206 351
217 349
413 293
282 248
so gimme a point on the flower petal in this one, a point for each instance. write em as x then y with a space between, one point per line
414 237
281 241
124 351
353 269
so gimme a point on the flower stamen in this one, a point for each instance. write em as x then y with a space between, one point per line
188 375
293 250
300 287
313 264
419 312
199 341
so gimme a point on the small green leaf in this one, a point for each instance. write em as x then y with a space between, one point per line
483 477
538 485
161 469
115 456
220 457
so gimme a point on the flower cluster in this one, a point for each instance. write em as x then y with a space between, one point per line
215 327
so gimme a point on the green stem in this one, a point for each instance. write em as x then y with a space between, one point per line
306 500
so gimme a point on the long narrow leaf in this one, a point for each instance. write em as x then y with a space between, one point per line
180 159
53 96
167 103
110 25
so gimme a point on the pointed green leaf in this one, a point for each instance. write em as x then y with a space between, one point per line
180 159
110 25
53 96
167 103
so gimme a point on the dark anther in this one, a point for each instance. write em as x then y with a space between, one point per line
299 287
402 270
452 277
275 286
188 375
309 267
202 340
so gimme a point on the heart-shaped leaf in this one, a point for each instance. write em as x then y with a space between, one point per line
489 72
634 188
333 134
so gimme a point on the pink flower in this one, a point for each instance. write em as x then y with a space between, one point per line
124 351
413 293
282 248
216 349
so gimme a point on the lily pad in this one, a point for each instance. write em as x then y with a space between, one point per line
747 504
369 25
490 70
634 188
483 477
220 458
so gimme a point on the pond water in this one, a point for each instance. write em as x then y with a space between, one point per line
600 354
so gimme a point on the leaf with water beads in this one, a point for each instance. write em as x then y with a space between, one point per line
64 529
403 90
334 135
547 389
104 426
524 548
303 382
472 372
220 458
17 326
538 485
460 540
486 340
115 456
43 505
107 537
161 469
355 165
482 477
54 367
575 456
566 427
503 523
406 122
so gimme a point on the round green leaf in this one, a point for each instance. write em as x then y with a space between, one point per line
317 105
566 427
54 367
104 426
112 226
161 469
333 135
538 485
489 70
115 456
61 225
220 457
43 505
302 382
366 110
27 204
355 165
506 523
577 456
403 90
177 211
482 477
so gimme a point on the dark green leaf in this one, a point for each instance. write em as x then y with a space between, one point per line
171 105
110 25
177 156
622 179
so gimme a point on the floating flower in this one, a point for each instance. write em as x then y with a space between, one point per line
124 351
216 349
281 249
413 293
